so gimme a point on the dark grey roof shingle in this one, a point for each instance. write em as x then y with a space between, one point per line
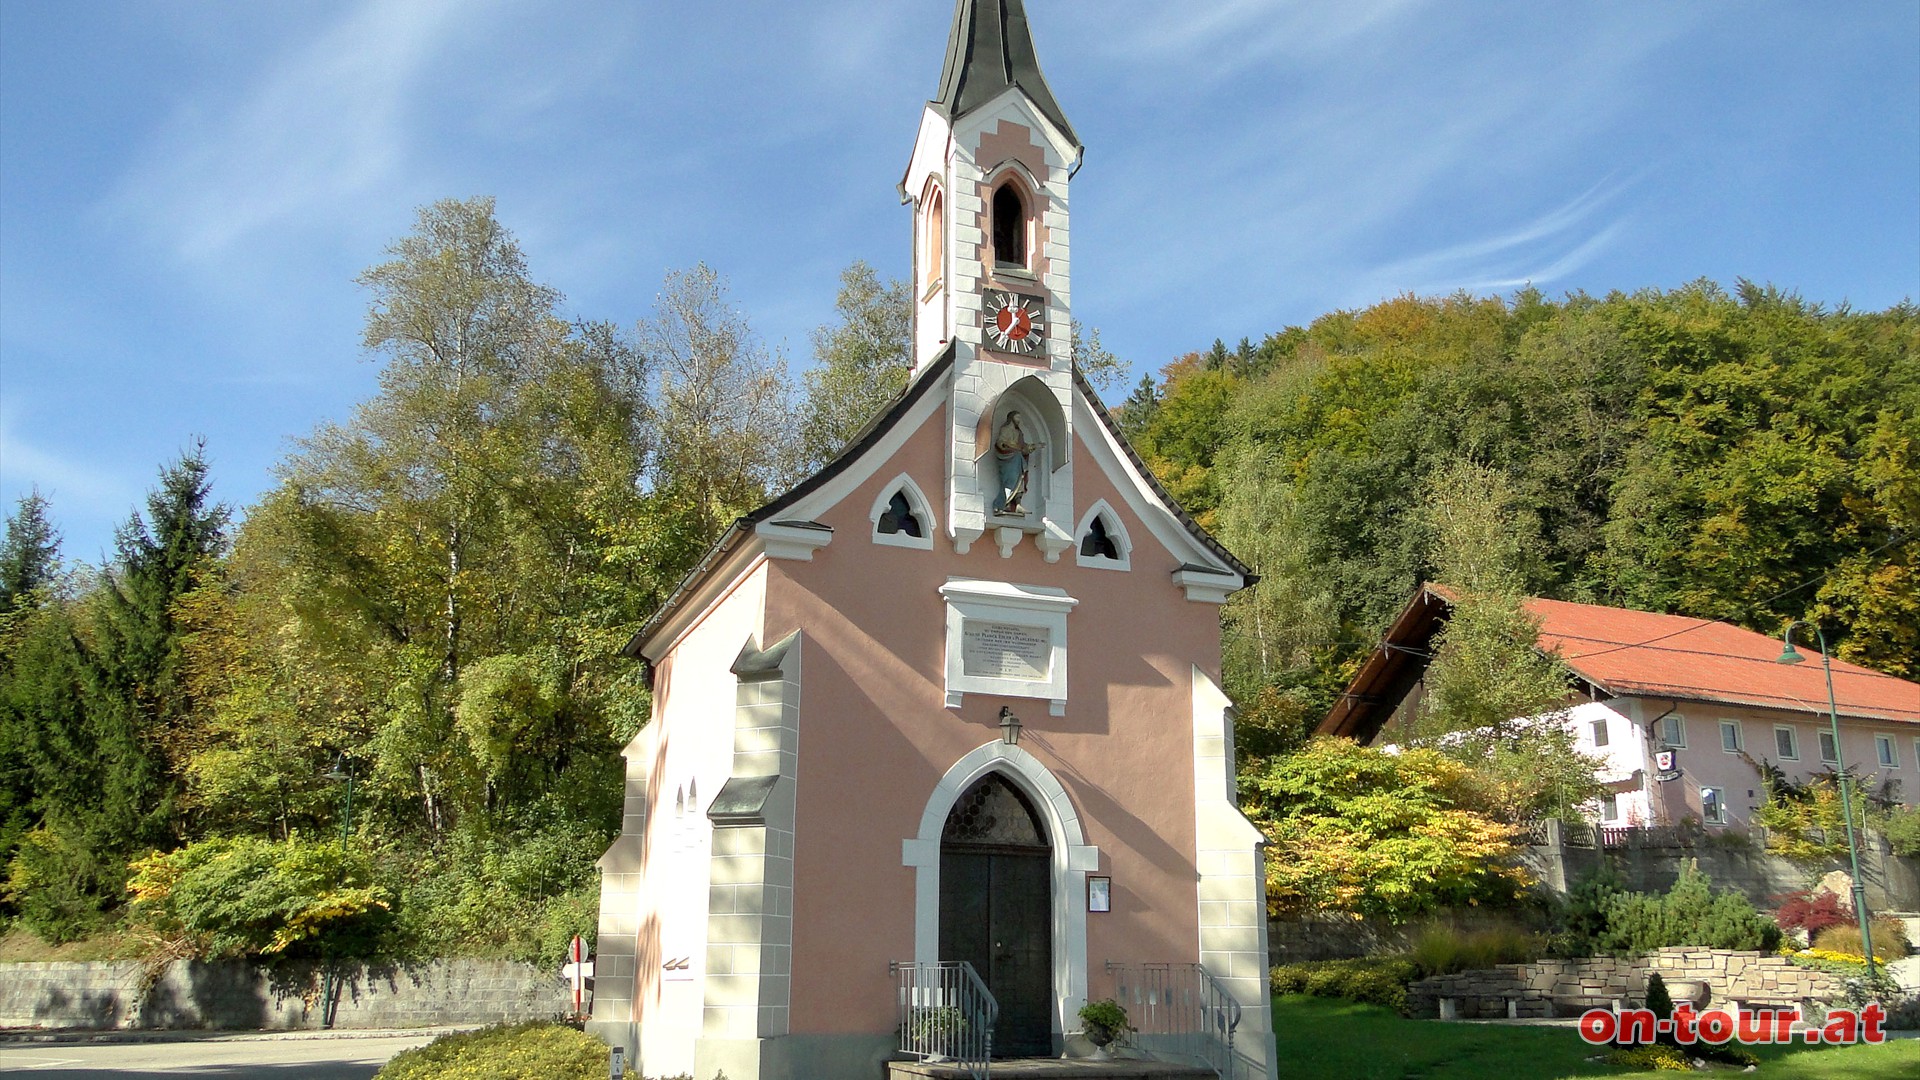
990 49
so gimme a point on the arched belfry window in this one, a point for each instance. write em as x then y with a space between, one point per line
901 515
1009 226
1103 540
936 246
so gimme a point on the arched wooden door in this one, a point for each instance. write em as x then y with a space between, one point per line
996 909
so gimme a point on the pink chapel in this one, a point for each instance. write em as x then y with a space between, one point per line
939 752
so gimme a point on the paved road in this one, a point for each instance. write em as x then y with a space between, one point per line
216 1057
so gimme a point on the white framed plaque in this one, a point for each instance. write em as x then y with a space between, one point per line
1099 894
1006 639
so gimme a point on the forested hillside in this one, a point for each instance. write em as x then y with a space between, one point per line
381 710
1752 457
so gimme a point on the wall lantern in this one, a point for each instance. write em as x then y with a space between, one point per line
1009 726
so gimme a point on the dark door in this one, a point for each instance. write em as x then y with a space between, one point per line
996 910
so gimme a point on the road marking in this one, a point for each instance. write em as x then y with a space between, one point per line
50 1063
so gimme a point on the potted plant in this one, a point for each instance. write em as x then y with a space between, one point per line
1102 1022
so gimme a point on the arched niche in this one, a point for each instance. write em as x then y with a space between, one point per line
1039 414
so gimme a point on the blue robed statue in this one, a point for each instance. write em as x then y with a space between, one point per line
1013 457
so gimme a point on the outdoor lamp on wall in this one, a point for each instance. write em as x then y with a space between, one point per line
1009 726
1790 655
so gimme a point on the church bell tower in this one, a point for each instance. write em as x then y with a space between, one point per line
988 183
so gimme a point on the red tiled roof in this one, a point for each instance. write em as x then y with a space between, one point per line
1639 652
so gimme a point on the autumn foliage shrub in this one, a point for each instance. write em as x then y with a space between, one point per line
1811 912
1889 939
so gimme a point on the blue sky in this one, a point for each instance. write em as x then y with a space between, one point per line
188 189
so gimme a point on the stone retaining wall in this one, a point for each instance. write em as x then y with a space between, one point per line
1568 987
191 994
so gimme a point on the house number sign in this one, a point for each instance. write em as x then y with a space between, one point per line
998 650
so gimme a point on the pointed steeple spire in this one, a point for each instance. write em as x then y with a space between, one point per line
990 49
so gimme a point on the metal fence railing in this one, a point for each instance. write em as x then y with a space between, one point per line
1179 1010
945 1013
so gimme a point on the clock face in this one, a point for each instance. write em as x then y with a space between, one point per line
1016 323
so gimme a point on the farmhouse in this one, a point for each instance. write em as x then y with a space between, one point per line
1683 711
938 743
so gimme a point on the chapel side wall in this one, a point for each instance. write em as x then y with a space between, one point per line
876 738
692 756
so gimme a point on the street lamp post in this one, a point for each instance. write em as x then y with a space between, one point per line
1790 655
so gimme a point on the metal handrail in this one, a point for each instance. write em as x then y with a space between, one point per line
1181 1009
945 1013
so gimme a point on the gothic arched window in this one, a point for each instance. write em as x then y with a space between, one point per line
901 515
1098 544
900 518
1009 226
1104 543
936 247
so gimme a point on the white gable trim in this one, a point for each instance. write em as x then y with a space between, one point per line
1116 529
916 501
858 472
1140 498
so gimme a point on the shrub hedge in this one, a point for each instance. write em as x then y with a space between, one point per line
532 1051
1375 981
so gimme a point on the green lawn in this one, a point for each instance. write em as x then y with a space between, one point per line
1325 1039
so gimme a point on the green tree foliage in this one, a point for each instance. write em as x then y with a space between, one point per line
141 704
468 539
724 405
1602 918
1358 830
1690 450
247 897
1806 822
861 361
29 556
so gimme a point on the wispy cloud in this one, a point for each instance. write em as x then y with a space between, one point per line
1220 38
1541 251
325 124
75 487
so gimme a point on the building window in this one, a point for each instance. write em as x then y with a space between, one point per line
1610 807
1097 544
901 517
1103 540
1673 731
1829 750
1730 736
1883 748
1009 227
1599 733
936 247
1916 752
1713 807
1786 743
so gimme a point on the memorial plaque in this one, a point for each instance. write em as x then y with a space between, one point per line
995 650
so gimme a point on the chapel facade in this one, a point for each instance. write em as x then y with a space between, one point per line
956 697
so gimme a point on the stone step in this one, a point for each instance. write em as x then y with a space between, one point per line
1054 1069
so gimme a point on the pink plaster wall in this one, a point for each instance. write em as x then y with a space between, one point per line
876 737
1705 764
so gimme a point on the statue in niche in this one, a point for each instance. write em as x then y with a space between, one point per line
1013 457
